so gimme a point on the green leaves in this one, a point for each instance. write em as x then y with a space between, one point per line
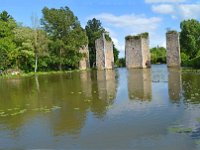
158 55
190 37
66 34
94 31
7 25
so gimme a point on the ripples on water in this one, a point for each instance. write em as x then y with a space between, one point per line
155 108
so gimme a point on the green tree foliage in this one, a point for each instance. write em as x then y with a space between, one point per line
190 38
24 55
31 44
121 62
55 46
66 34
7 45
190 43
94 31
116 54
158 55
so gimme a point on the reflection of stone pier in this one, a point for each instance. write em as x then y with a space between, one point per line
86 83
106 84
84 62
139 84
174 84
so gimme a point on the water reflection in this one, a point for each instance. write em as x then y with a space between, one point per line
174 84
78 109
139 84
104 92
191 90
75 94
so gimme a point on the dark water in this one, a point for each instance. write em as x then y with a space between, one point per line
122 109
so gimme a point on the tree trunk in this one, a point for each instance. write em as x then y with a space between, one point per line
36 62
60 63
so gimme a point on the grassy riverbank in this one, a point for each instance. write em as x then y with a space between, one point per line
9 76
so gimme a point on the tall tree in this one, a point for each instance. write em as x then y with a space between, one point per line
94 30
190 38
66 34
31 44
40 42
7 45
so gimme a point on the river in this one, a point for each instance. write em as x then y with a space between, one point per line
155 108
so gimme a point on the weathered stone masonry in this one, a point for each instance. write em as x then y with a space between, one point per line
104 53
173 49
137 51
84 63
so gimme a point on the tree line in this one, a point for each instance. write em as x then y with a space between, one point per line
189 45
52 43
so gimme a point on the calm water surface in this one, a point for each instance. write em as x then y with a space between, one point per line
139 109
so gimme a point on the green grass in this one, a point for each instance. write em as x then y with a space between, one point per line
38 73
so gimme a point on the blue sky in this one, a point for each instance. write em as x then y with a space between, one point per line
119 17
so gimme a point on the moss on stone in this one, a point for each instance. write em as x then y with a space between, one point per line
171 31
142 35
107 37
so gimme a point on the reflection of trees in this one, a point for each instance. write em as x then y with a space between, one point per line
76 93
14 96
191 90
139 84
174 84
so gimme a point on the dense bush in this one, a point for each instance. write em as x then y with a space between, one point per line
158 55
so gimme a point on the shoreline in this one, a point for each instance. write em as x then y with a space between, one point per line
30 74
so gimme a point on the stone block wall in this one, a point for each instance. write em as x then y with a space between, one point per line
137 51
173 49
84 62
104 54
109 56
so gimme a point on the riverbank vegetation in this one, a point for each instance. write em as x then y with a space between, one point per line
190 43
51 44
158 55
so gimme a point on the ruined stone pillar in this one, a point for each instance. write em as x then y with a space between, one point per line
104 53
137 51
173 49
84 62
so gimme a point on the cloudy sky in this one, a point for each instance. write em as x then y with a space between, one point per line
119 17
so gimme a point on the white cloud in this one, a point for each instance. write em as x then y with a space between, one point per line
130 22
118 44
165 1
182 11
188 11
163 9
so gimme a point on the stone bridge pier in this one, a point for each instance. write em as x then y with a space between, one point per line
173 49
137 52
104 53
84 62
